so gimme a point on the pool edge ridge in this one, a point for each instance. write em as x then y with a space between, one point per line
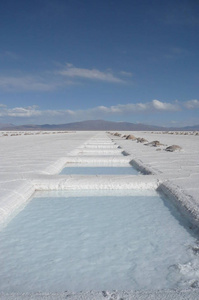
185 203
15 200
97 182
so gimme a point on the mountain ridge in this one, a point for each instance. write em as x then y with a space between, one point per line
95 125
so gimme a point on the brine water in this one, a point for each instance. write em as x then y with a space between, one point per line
95 170
97 240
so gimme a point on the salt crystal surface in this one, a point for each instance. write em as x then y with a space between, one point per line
90 240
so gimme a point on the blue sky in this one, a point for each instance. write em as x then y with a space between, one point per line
70 60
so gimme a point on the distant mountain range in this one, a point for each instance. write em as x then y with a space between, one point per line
96 125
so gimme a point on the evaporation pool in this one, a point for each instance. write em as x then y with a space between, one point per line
97 240
96 170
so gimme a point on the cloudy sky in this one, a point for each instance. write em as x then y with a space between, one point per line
121 60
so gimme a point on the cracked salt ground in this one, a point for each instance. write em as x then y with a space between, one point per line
97 241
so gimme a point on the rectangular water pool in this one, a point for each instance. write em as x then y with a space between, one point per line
97 240
97 170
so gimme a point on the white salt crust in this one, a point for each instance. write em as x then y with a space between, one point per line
32 162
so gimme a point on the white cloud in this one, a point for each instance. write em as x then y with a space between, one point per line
192 104
52 80
164 106
93 74
142 106
20 112
128 108
60 113
127 74
35 113
38 116
25 83
154 105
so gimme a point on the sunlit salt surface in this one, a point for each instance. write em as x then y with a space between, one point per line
95 170
100 240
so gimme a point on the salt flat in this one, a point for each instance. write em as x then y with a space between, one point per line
179 170
32 162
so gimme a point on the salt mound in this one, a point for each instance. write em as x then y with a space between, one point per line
130 137
173 148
